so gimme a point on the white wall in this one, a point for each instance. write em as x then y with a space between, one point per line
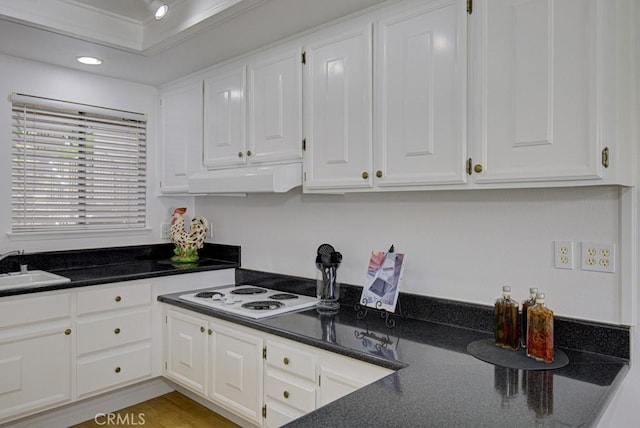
462 245
34 78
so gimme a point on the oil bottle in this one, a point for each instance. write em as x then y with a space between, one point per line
540 331
506 321
526 304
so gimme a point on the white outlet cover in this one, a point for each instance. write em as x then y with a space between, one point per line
598 257
563 254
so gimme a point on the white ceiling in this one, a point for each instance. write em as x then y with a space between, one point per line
194 35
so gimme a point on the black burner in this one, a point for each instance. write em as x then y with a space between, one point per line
249 290
263 305
283 296
209 294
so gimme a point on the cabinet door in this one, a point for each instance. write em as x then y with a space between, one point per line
181 128
236 376
338 111
224 119
186 350
340 376
536 88
275 108
35 371
420 95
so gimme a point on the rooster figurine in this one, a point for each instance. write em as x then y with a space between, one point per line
187 243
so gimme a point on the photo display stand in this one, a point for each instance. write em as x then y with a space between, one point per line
381 289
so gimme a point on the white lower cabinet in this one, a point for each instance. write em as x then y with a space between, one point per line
290 382
235 357
217 360
341 375
113 340
35 354
300 378
267 380
186 350
63 346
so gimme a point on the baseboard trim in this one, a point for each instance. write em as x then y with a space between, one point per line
84 410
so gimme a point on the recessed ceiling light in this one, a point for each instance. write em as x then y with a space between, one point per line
161 12
89 60
159 8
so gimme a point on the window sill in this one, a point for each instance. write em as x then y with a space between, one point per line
32 236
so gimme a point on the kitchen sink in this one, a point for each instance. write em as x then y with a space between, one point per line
29 279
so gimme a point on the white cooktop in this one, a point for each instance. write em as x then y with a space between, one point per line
250 301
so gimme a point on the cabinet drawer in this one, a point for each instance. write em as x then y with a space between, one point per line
294 394
114 369
278 416
103 333
106 299
33 309
292 360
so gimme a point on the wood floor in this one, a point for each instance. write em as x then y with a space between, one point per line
172 410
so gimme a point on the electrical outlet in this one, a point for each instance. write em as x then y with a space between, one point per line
165 231
563 254
598 257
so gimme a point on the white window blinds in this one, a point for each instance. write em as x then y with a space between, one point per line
76 167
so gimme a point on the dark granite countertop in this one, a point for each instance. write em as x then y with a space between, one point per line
437 383
116 264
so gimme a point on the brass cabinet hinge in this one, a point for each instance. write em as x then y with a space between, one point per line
605 157
469 7
264 411
304 57
304 144
165 365
469 165
319 381
264 352
166 319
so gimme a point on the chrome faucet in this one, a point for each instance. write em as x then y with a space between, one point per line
11 253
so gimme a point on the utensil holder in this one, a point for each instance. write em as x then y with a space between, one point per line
327 287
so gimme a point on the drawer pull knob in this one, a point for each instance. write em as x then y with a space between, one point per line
117 370
365 175
118 298
286 361
210 332
249 153
67 331
116 331
478 168
201 329
286 394
379 174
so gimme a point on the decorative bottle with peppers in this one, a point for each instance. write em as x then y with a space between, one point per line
540 331
526 304
506 320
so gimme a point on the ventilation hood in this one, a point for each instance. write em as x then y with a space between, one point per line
258 179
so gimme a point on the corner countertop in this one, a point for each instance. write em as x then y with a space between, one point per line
436 382
107 265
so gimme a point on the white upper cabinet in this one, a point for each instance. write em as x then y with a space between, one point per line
420 95
181 134
543 84
416 90
224 118
275 107
424 94
253 111
338 109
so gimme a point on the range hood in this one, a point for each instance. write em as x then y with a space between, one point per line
258 179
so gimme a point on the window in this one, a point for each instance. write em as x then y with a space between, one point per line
76 167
